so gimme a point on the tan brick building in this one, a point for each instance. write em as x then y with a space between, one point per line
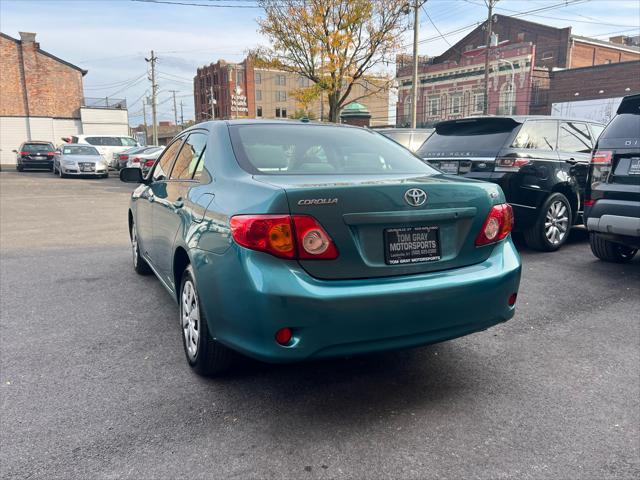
241 90
35 83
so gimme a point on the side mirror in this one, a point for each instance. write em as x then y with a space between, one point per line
14 151
131 175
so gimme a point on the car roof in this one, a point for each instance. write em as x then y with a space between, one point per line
523 118
256 121
42 142
404 130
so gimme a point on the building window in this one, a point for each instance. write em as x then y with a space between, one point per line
281 112
507 100
303 82
239 76
607 61
281 80
284 113
259 112
478 102
281 96
548 55
278 112
258 95
456 104
434 107
258 77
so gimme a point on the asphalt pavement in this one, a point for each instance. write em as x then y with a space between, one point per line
94 383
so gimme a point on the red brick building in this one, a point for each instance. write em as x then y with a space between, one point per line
35 83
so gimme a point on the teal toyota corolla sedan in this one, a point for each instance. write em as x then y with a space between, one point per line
287 241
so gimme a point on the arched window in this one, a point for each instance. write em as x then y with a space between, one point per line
507 104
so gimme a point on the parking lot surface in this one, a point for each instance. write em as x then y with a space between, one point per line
95 385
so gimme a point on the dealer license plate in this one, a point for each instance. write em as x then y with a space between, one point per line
634 166
411 245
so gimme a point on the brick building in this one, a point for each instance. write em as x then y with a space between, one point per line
553 50
455 88
242 90
36 83
41 98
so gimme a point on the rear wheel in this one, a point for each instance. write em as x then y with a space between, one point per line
19 168
204 354
552 227
610 251
62 175
140 265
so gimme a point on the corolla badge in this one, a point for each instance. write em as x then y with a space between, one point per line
415 197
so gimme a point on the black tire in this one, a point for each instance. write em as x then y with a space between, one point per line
106 175
210 358
610 251
19 168
140 265
62 175
536 236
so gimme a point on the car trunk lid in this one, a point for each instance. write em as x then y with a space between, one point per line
378 232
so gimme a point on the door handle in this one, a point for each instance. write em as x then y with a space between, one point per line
179 203
572 161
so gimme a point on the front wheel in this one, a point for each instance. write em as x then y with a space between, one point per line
610 251
205 355
552 227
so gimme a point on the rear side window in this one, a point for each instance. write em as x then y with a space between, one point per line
597 131
625 125
574 137
537 135
486 135
189 156
403 138
290 149
128 142
161 170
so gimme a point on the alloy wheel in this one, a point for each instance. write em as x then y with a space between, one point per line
190 319
556 223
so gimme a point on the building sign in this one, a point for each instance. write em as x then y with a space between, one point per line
239 104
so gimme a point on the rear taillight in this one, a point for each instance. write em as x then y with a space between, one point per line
24 154
497 225
510 164
601 156
51 154
123 157
600 167
135 160
149 163
286 236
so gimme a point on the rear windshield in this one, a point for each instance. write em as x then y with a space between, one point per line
112 141
485 136
320 150
626 125
37 147
79 150
403 138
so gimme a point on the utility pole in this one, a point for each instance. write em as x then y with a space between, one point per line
175 108
154 96
144 115
181 114
414 82
488 28
213 102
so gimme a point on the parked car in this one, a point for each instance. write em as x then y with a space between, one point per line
410 138
80 160
540 162
612 205
145 160
108 145
288 241
131 154
35 154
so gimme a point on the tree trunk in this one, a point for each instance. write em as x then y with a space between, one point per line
333 107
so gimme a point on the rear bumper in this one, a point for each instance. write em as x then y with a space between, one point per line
40 164
259 294
614 217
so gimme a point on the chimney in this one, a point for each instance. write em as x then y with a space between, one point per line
28 39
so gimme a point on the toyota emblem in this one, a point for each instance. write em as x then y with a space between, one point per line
415 197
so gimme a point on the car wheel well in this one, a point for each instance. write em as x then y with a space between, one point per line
180 262
568 192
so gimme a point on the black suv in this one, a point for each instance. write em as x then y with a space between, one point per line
35 155
540 162
612 205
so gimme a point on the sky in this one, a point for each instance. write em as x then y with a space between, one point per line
111 38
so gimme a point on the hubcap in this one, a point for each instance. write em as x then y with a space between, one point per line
190 319
134 245
556 223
